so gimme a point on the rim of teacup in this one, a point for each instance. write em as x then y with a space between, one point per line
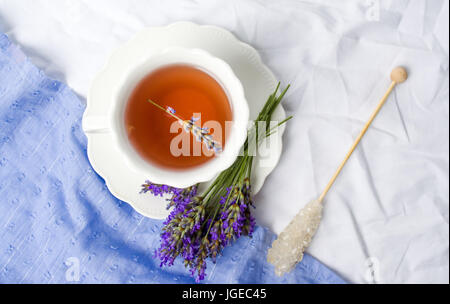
236 137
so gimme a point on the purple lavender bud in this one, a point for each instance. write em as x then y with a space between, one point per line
170 110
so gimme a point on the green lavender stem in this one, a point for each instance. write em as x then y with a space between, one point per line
242 167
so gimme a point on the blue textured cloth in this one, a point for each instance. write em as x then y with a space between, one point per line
59 223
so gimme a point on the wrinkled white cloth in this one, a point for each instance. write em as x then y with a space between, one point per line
386 218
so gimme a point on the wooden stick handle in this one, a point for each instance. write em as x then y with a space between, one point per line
358 139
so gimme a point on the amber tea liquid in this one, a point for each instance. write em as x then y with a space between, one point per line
186 89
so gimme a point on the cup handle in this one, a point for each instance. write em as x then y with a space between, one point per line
96 124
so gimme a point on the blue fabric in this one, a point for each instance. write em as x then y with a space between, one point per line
59 223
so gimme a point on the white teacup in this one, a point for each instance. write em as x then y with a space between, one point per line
113 121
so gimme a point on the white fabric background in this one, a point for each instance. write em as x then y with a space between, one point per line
388 212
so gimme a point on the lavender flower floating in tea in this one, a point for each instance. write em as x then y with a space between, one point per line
201 225
200 134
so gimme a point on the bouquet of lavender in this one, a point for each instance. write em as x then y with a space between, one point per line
201 225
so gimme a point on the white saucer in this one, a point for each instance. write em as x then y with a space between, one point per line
257 79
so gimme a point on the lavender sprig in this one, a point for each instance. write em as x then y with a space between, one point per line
185 233
199 133
200 226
